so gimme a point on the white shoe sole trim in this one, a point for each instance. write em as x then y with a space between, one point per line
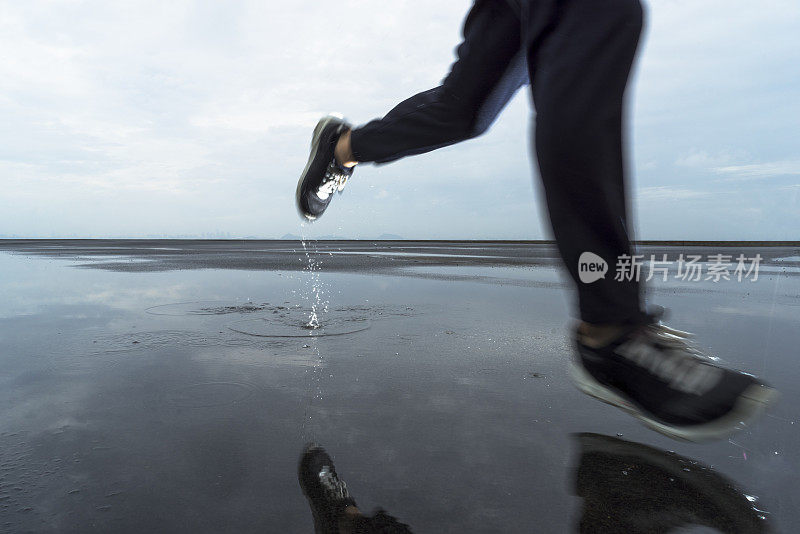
750 404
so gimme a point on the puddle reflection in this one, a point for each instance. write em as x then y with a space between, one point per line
626 487
634 488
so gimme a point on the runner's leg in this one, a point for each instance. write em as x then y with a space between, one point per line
490 67
580 56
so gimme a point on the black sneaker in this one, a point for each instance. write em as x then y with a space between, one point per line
326 494
655 374
323 176
632 488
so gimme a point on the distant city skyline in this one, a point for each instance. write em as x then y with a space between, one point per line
193 118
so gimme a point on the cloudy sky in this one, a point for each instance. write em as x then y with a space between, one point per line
143 118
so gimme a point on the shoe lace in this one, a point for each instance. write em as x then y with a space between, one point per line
334 180
330 481
677 341
674 340
669 354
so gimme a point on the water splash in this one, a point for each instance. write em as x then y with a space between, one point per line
313 293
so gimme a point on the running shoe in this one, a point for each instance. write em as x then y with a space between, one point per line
323 176
657 375
326 493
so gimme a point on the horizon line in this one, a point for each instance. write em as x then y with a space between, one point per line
665 242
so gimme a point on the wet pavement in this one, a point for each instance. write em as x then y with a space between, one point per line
170 386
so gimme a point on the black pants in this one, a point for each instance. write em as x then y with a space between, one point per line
379 523
577 55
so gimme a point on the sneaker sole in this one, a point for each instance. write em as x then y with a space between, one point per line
750 404
314 149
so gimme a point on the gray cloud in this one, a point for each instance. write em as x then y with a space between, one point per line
193 117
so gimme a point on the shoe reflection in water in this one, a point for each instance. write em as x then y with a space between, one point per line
632 488
334 510
626 488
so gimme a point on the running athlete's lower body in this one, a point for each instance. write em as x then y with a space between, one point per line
577 57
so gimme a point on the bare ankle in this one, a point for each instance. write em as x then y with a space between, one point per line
344 151
598 335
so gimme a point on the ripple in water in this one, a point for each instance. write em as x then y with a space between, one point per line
206 307
149 340
295 322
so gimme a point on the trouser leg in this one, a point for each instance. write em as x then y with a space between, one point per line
490 67
579 62
379 523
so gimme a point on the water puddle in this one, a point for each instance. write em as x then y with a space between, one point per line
207 394
155 339
207 307
299 322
